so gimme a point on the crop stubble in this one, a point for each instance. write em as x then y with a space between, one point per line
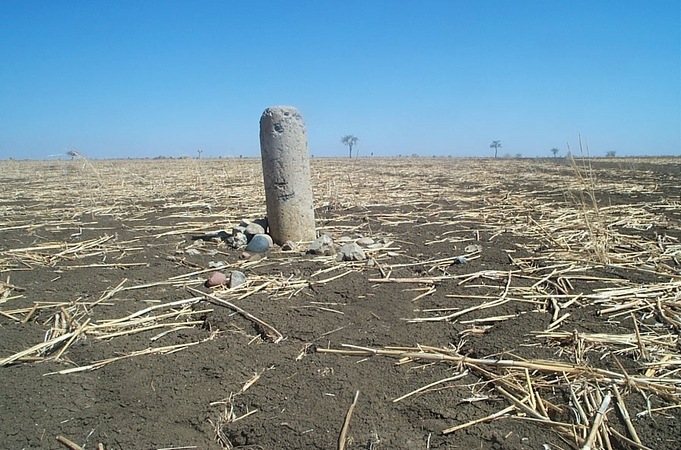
561 328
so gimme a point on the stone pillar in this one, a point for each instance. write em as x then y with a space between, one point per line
286 172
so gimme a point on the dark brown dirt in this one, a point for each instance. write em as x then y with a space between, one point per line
301 398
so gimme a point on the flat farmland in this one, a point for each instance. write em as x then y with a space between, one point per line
502 304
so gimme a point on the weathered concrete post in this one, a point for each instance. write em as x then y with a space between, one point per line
286 172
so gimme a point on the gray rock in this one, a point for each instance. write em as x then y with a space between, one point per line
352 252
236 279
365 241
262 222
259 244
254 228
322 246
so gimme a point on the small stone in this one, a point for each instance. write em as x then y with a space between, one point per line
364 242
473 248
215 236
289 246
460 260
254 228
375 246
215 279
238 240
260 243
262 222
251 256
192 251
222 235
217 264
352 252
236 279
344 239
322 246
392 254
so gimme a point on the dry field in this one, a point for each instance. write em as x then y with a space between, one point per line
559 329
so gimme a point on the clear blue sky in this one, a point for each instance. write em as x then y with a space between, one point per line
148 78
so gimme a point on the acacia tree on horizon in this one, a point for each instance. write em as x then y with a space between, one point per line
350 141
555 151
73 154
496 145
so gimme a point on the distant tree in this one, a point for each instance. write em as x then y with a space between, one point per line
496 145
73 154
555 151
518 155
350 141
199 152
610 154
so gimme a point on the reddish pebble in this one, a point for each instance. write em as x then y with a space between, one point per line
216 279
245 255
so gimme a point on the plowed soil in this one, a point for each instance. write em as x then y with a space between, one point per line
90 243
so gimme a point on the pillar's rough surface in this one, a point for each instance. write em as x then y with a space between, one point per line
286 172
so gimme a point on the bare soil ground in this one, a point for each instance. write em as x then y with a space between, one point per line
568 301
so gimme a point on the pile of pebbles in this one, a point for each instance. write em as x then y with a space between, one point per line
347 248
253 235
252 238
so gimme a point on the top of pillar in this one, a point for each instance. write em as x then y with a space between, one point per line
282 111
